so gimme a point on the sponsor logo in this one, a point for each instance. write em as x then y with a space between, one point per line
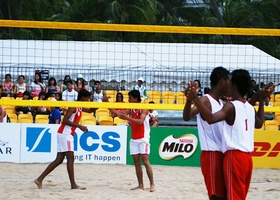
172 147
38 139
91 141
266 149
4 148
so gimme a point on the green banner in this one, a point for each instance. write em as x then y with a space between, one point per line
172 146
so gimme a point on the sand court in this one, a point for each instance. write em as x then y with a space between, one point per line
115 181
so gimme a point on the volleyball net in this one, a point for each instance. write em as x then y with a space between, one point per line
167 57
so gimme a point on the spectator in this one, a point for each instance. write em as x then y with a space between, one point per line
58 96
52 86
268 115
119 98
21 86
253 90
3 115
8 86
97 92
80 83
37 85
141 88
63 86
69 94
24 109
55 115
153 114
41 109
199 89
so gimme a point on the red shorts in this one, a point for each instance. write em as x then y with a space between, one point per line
238 168
212 170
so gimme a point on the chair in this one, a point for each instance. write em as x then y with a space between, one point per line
125 95
62 117
102 112
41 119
277 117
276 103
88 120
13 117
180 97
168 97
10 109
119 121
35 98
271 125
105 121
111 93
87 114
7 98
154 96
25 118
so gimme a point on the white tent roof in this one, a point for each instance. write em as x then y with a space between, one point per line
146 57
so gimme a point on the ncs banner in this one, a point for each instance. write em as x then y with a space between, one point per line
172 146
9 142
101 144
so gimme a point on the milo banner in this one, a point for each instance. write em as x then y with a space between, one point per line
172 146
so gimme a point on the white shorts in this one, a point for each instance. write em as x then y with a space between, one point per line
65 143
139 146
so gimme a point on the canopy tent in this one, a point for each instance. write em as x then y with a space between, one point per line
156 62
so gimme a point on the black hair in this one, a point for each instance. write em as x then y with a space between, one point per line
217 74
40 78
50 79
242 80
42 93
119 93
83 93
95 82
64 80
135 94
68 81
8 75
26 93
21 76
198 81
151 102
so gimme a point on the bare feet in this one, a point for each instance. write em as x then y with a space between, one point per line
152 188
138 188
38 183
78 187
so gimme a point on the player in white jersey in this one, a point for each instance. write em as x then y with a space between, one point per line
210 135
65 146
238 132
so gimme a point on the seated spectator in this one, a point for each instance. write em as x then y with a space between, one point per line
153 114
21 86
37 85
41 109
55 115
97 92
119 98
24 109
52 87
268 115
141 88
80 83
69 94
63 86
199 89
8 86
3 115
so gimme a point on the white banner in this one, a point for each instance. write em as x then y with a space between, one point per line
101 144
9 142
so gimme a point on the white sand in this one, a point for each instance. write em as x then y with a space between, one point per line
114 182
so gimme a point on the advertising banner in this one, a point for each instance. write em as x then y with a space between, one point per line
101 144
172 146
266 149
9 142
